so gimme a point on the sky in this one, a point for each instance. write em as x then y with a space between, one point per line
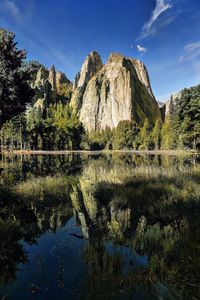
164 34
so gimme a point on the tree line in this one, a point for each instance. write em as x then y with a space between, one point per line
57 127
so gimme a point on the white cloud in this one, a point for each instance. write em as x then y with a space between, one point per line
20 14
192 47
14 10
160 8
10 7
191 51
141 49
163 98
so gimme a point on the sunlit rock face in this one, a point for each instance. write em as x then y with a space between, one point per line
168 107
119 90
171 103
60 83
90 67
51 86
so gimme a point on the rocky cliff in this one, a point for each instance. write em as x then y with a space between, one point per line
171 103
119 90
168 107
90 67
51 86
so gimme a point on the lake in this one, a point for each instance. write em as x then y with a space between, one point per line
103 226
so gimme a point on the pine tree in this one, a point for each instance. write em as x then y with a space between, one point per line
156 135
167 134
125 135
187 118
144 135
15 90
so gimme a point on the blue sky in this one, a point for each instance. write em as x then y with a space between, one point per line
164 34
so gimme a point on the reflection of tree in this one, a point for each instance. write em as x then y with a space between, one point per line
11 251
145 204
153 210
24 216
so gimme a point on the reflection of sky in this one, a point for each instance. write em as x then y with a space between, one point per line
59 255
53 251
57 250
131 260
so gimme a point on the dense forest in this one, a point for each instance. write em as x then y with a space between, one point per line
55 126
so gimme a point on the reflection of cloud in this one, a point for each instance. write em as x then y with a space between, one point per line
160 8
191 51
141 49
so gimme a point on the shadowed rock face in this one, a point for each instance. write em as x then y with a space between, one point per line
119 90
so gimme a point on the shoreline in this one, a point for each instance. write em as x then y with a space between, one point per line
97 152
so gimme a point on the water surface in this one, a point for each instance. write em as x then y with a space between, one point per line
100 227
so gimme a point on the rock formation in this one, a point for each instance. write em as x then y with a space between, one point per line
90 67
168 107
171 103
119 90
51 86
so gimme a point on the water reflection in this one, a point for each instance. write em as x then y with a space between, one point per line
113 227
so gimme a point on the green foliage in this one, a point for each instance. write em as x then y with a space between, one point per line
167 133
15 91
125 135
98 140
56 127
143 136
155 137
187 118
50 123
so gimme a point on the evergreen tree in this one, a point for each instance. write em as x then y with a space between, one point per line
167 134
15 91
125 135
144 135
187 118
155 137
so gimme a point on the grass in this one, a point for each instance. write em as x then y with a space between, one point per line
151 204
50 188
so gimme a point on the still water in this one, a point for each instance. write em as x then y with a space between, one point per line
100 227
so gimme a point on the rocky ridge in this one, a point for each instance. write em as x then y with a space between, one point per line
51 86
106 94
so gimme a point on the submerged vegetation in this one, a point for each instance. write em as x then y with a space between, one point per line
136 217
146 207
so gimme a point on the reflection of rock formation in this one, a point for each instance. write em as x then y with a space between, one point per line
122 211
52 217
95 214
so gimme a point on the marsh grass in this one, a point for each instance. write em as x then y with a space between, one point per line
150 205
50 188
168 200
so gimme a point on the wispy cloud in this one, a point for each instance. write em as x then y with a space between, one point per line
160 8
191 51
141 49
10 7
20 14
14 10
163 98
